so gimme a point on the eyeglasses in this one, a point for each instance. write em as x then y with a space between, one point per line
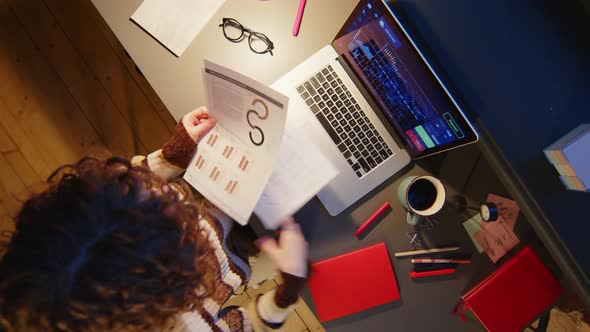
235 32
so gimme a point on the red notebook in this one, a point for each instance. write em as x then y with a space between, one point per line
516 293
353 282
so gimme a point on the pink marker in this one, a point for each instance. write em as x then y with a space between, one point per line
299 17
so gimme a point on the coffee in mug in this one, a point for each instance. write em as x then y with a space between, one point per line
422 196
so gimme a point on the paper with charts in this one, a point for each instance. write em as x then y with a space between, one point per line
235 159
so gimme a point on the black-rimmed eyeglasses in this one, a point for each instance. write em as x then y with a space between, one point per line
235 32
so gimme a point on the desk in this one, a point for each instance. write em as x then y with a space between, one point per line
425 304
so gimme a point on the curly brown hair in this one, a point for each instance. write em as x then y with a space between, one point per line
107 246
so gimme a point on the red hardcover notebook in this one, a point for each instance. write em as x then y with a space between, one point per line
353 282
516 293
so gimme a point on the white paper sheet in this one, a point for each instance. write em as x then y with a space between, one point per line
300 173
235 159
175 23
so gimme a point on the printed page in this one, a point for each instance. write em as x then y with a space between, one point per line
235 159
175 23
300 173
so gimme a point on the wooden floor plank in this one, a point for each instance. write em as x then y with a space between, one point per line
109 70
13 191
6 227
47 34
132 68
6 143
23 169
8 204
38 99
9 179
25 145
307 316
294 323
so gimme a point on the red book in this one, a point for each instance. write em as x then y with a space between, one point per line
353 282
516 293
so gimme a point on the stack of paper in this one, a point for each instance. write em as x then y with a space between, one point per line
175 23
570 157
254 159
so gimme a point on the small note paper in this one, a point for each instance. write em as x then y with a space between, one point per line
495 238
175 23
472 226
508 209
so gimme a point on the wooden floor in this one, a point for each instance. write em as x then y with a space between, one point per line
68 89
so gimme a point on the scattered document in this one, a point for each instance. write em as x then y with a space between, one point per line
496 238
508 209
300 173
236 158
175 23
472 226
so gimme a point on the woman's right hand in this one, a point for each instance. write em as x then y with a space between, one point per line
290 252
198 123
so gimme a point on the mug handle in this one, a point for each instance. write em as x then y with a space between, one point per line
412 218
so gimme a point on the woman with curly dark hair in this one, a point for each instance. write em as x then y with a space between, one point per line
118 245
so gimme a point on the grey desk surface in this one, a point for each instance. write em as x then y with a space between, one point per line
425 304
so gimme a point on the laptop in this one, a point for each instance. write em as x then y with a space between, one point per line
372 103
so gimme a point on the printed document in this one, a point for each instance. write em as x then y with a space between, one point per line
175 23
235 159
299 174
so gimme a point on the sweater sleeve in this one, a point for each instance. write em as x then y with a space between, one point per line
173 158
268 312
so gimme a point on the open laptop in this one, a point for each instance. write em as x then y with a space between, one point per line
372 102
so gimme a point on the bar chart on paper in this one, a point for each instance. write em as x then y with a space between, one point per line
235 159
225 168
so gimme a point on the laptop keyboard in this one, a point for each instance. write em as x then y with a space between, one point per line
344 120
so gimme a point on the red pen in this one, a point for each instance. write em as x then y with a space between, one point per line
431 273
371 219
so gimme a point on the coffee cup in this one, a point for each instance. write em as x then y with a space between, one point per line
421 196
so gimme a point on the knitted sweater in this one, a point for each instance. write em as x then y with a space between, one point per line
266 312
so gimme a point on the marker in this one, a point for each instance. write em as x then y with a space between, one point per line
440 260
432 267
434 273
299 17
425 251
371 219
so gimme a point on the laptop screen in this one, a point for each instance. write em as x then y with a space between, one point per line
400 81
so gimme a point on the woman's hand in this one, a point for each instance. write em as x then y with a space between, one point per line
198 123
290 252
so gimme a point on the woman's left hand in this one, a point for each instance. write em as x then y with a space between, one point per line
198 123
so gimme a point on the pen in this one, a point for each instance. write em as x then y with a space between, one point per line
425 251
440 260
432 267
299 17
431 273
371 219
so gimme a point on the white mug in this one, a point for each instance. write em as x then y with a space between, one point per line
422 196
